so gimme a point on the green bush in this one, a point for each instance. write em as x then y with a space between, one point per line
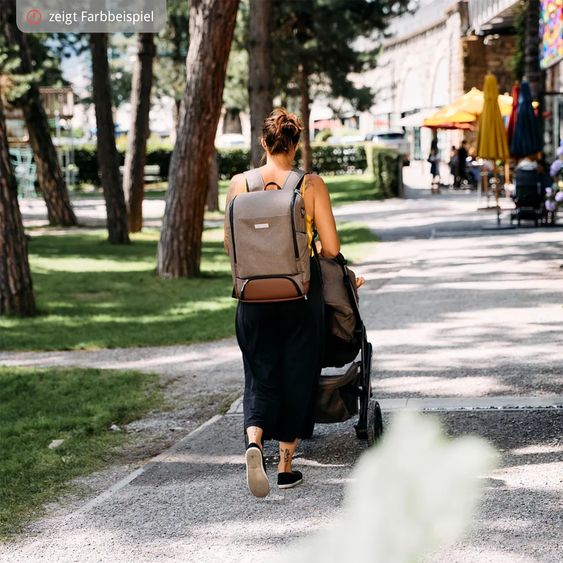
323 135
386 166
339 159
87 164
160 156
86 161
232 161
327 160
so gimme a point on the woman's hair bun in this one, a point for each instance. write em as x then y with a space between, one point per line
281 131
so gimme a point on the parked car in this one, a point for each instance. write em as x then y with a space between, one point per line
345 140
391 139
231 140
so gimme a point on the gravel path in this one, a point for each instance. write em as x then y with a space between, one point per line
454 309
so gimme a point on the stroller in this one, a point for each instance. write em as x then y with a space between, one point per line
528 197
342 395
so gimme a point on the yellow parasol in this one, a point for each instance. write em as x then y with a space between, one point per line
492 142
465 111
448 117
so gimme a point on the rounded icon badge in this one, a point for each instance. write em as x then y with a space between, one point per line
33 17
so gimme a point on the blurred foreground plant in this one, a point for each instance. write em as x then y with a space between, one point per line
412 494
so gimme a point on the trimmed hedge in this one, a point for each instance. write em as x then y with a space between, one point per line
86 161
386 167
232 161
339 159
327 159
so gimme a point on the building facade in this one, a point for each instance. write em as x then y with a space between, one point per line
432 57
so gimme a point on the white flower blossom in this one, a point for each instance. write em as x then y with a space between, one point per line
411 494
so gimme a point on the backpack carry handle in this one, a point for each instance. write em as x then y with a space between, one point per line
255 182
278 187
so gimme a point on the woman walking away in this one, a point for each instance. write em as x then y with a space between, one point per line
281 341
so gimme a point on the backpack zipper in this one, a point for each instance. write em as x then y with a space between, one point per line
231 220
292 207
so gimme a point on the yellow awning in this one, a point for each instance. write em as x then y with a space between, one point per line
472 102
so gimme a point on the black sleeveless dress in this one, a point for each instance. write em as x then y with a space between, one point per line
281 346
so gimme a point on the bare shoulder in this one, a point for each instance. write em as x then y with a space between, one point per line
315 183
237 184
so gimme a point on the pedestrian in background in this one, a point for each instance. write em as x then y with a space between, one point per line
453 164
434 160
461 172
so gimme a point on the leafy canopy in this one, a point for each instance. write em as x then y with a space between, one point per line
325 36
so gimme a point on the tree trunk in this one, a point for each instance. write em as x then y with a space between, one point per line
16 289
49 174
213 189
108 158
231 122
212 24
306 154
259 73
135 157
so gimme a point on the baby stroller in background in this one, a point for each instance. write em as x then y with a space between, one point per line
528 197
340 395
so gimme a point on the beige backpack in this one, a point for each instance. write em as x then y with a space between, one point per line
267 240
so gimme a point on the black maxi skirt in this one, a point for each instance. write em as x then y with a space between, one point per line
281 346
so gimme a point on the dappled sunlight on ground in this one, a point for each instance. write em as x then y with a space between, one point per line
439 386
477 314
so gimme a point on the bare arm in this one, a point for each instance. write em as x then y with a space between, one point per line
323 217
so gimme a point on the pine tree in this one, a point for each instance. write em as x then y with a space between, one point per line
316 45
108 159
172 49
134 173
49 174
259 72
212 24
16 288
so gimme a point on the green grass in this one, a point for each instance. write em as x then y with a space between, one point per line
76 405
351 189
356 241
91 294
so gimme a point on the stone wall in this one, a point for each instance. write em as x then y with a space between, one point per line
488 54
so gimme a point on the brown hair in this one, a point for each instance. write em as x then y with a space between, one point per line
281 131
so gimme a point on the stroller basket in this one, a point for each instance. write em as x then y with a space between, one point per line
337 395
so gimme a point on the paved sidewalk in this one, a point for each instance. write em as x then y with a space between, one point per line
458 315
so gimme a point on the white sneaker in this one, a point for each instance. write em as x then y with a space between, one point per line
256 471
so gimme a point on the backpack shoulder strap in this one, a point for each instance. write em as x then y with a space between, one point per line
294 179
254 180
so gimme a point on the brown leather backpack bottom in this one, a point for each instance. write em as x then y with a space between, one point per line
262 290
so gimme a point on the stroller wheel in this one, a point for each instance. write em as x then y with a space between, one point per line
375 422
